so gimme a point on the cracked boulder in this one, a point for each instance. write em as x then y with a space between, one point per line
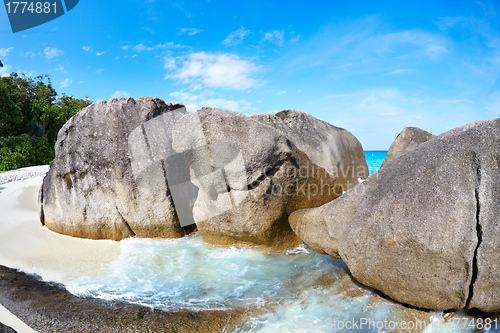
332 148
408 139
106 182
252 175
425 229
151 169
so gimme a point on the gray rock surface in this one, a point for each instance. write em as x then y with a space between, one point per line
106 181
149 169
251 176
408 139
332 148
6 329
425 228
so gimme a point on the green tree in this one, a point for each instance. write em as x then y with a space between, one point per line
11 117
31 115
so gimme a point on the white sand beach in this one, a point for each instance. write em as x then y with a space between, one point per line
26 245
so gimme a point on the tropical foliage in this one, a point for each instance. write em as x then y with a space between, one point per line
31 114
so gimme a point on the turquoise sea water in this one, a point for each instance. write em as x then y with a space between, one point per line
374 159
304 291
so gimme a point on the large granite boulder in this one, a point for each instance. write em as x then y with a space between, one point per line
97 188
332 148
149 169
251 176
408 139
424 229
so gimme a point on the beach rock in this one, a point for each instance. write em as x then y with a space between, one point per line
313 226
332 148
107 180
408 139
425 228
251 176
6 329
145 168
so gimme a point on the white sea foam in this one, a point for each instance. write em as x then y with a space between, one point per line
187 273
303 288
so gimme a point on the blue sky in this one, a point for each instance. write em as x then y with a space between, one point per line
371 67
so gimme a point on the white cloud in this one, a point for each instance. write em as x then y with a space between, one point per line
66 83
236 37
225 70
222 103
91 50
170 63
279 93
29 54
141 47
52 52
364 46
120 93
431 45
397 71
189 31
191 101
294 39
4 52
100 70
60 68
277 37
195 102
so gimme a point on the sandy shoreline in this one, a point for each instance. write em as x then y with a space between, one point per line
27 246
22 197
23 173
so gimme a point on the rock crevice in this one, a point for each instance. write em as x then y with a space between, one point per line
152 169
429 216
479 233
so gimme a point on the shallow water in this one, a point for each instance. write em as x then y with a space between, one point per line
301 286
301 290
